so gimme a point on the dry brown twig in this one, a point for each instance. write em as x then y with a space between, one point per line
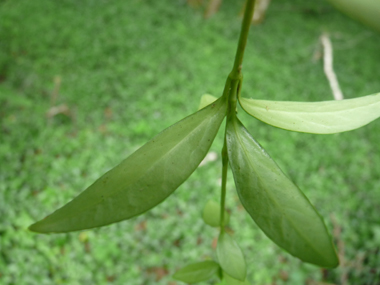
213 6
261 7
55 109
328 66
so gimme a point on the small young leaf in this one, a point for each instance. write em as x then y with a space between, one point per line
230 257
228 280
197 272
206 100
144 179
277 206
211 214
326 117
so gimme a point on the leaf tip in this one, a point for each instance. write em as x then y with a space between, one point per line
328 260
34 228
40 227
333 262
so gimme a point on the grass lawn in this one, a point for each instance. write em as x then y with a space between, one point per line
83 84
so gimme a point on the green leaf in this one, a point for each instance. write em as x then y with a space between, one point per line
277 206
364 11
197 272
211 214
228 280
326 117
206 100
144 179
230 257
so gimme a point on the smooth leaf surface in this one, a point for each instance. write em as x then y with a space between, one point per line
228 280
326 117
197 272
365 11
206 100
230 257
277 206
211 214
144 179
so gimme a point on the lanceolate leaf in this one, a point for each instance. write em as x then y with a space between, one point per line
326 117
197 272
230 257
144 179
277 206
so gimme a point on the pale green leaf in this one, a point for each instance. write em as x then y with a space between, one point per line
326 117
206 100
230 257
228 280
211 214
197 272
277 206
144 179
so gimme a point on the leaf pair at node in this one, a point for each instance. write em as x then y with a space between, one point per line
324 117
279 208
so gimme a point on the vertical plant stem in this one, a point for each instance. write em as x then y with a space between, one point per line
246 24
224 181
231 89
233 86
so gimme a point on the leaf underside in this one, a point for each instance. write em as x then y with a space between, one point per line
277 206
197 272
144 179
326 117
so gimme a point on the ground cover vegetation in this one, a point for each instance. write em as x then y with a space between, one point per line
84 85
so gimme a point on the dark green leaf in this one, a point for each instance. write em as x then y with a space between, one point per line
197 272
211 214
230 257
144 179
325 117
278 207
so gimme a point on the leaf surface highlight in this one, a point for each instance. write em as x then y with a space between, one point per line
326 117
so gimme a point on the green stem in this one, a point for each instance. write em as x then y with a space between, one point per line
231 90
233 85
224 182
245 25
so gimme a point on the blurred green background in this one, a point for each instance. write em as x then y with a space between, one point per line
85 83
